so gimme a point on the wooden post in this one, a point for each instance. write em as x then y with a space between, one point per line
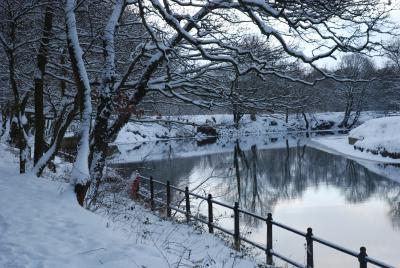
210 214
151 193
361 257
168 200
236 233
310 250
187 204
269 239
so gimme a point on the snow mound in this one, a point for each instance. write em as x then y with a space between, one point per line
379 136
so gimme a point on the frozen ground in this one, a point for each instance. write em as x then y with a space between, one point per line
167 127
41 225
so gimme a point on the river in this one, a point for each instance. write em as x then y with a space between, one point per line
344 201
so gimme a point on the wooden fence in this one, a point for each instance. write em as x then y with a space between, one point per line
309 237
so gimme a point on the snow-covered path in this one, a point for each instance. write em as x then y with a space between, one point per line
41 225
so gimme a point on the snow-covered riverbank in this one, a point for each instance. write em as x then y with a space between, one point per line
384 166
175 127
379 137
375 145
47 228
340 145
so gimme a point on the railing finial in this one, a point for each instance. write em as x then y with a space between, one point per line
361 257
310 248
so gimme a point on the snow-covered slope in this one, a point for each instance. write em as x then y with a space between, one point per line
41 225
379 136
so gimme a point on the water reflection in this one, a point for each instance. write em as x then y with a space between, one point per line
272 180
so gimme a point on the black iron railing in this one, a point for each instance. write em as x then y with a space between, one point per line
237 237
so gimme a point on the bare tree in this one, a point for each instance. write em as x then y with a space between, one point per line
355 67
39 84
17 39
199 38
172 49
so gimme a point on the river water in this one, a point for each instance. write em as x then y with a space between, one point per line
345 202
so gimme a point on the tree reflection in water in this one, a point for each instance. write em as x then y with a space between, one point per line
260 179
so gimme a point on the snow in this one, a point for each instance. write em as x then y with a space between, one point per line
340 145
379 135
42 225
386 167
153 129
80 172
180 148
6 135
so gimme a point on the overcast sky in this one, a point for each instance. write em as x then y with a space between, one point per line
379 61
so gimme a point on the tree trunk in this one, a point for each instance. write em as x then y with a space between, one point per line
21 136
60 127
236 116
287 116
5 122
80 191
349 108
99 144
306 120
237 167
80 172
39 80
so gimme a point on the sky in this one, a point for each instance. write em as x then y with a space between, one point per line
380 61
328 63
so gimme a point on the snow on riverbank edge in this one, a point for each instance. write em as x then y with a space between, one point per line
338 145
378 136
153 129
41 225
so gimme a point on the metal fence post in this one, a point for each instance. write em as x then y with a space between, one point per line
236 233
310 250
187 204
151 193
269 239
210 214
361 257
168 200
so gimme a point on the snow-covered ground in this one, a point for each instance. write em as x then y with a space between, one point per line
152 129
339 145
41 225
379 136
384 166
